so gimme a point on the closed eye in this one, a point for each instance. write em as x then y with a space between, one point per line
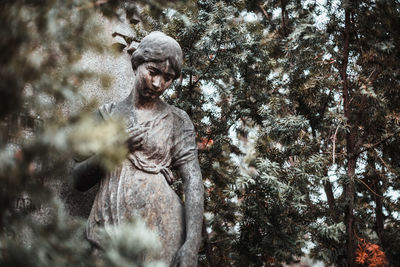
153 71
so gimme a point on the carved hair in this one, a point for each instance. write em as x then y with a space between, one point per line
158 47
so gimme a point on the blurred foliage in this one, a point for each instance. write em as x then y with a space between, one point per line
41 45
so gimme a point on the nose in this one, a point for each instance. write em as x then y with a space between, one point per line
158 82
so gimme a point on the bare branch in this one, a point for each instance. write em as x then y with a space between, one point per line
265 12
369 188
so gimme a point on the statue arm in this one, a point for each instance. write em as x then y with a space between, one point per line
194 208
87 173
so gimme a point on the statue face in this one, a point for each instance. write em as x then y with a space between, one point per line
154 78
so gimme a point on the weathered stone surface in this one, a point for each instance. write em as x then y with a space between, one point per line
161 137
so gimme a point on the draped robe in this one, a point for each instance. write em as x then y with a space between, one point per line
139 187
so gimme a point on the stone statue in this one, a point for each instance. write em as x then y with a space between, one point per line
161 137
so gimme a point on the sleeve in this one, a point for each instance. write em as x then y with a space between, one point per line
184 140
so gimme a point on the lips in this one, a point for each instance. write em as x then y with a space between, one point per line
151 93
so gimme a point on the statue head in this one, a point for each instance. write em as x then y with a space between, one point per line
158 47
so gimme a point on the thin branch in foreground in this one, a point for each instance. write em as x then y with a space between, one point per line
265 12
369 188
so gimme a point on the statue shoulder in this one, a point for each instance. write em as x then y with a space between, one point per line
181 118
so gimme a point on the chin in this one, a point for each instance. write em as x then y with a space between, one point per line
150 96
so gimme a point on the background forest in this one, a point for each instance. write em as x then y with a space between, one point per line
297 109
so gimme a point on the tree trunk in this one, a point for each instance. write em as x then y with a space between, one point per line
349 191
331 200
349 216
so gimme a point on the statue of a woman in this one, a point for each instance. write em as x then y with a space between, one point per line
161 137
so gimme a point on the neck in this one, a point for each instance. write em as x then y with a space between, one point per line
141 102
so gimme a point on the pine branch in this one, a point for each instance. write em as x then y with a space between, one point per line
385 164
376 144
374 74
372 77
211 61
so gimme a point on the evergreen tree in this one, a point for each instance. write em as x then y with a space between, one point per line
327 128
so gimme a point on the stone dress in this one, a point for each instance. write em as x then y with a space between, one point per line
140 187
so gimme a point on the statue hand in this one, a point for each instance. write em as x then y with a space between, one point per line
136 136
106 110
185 257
